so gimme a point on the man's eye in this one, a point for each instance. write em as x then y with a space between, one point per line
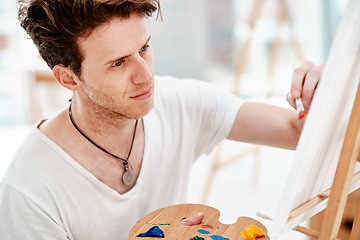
118 63
144 48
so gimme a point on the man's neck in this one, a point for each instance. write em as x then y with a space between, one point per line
106 128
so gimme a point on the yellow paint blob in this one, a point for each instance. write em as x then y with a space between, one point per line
252 232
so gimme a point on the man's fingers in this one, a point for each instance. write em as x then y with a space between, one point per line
304 82
291 100
298 78
193 220
311 81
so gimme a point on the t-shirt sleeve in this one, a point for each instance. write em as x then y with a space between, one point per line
212 112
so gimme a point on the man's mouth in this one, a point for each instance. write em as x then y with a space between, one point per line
144 94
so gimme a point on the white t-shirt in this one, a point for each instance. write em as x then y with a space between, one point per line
45 194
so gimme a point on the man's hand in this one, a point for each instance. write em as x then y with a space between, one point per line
303 83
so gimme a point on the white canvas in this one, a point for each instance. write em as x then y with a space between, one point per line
320 144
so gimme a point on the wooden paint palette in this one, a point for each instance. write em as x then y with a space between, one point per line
168 219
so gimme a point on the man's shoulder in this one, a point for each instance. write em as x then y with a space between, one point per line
162 81
36 154
167 79
181 86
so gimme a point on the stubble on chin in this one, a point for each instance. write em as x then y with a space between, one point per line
109 108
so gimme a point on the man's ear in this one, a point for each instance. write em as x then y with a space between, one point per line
66 77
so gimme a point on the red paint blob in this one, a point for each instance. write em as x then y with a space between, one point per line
207 226
301 115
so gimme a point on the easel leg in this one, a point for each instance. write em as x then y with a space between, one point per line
245 51
355 232
344 172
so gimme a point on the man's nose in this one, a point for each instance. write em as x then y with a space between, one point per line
142 72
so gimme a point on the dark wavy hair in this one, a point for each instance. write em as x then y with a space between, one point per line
56 25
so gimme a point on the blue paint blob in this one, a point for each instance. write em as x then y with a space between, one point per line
203 231
153 232
217 237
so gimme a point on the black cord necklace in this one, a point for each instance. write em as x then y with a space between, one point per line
128 176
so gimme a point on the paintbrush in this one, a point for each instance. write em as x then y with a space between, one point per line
300 108
299 105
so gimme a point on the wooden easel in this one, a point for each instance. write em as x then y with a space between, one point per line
283 18
337 195
244 55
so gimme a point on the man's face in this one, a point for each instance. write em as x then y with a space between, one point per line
117 71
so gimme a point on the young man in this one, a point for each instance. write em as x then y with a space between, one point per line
126 144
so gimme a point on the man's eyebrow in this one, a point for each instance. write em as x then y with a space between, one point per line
120 58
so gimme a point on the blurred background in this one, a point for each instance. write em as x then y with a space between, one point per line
246 47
